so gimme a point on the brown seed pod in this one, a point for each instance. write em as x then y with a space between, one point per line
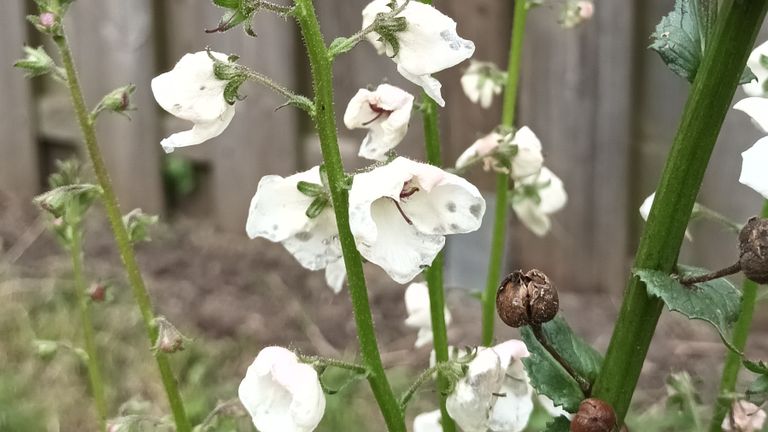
753 250
528 298
594 416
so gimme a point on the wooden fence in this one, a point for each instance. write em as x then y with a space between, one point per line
604 107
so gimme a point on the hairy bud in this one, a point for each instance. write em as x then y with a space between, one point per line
169 338
594 415
97 292
753 250
528 298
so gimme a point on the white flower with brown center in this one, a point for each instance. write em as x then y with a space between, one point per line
386 113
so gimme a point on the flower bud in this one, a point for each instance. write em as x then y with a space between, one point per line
594 415
36 63
97 292
118 100
528 298
753 250
169 338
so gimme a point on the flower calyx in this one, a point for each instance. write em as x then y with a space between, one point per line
242 11
231 72
526 299
37 63
137 224
320 194
118 101
169 338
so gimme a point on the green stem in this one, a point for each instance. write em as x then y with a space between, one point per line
708 102
127 256
325 122
739 341
502 180
422 378
322 361
84 304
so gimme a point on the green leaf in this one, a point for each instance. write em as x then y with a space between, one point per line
758 367
757 392
716 302
682 36
57 201
560 424
547 376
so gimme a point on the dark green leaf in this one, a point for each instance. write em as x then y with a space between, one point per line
547 376
228 4
758 367
757 393
560 424
716 302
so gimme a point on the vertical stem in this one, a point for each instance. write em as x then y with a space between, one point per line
708 102
127 256
739 341
84 305
502 180
325 122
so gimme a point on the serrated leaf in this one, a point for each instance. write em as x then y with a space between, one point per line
559 424
757 392
758 367
681 37
716 302
547 376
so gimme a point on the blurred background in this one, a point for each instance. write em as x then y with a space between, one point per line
604 107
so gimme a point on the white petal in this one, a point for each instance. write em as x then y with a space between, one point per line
512 411
190 90
532 217
470 83
757 109
278 209
335 274
200 132
480 148
417 306
744 417
529 159
645 208
281 394
754 167
471 402
431 86
511 351
428 422
757 88
552 197
369 15
317 245
549 406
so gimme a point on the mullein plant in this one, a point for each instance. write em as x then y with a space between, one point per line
397 212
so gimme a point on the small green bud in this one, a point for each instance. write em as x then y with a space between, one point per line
137 224
118 100
37 63
45 349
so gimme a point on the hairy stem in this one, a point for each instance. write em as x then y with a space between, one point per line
325 122
89 338
717 274
739 341
502 180
124 245
420 380
708 102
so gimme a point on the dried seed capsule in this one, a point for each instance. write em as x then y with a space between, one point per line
753 250
528 298
594 416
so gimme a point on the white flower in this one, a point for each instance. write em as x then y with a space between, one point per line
335 274
278 213
537 197
428 45
419 314
757 109
754 167
282 394
527 157
481 82
744 417
400 213
495 395
191 91
428 422
645 210
385 113
757 64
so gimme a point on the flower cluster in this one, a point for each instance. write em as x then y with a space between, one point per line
482 81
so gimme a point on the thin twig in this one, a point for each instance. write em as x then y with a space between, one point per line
585 385
695 279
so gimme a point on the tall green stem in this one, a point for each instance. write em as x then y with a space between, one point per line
502 180
709 99
325 122
127 256
739 341
84 305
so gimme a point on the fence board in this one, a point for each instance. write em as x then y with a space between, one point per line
113 41
19 167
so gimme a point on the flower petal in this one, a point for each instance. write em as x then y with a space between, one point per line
472 400
529 159
756 64
479 149
317 245
335 274
428 422
757 109
512 411
431 86
753 167
200 132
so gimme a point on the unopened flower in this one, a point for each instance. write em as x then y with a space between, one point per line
419 314
537 197
758 64
386 113
169 338
744 417
279 213
427 44
401 212
47 19
282 394
576 12
482 81
191 91
428 422
519 154
495 394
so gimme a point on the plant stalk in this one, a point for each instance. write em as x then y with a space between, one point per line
124 245
739 341
325 122
708 102
89 338
502 180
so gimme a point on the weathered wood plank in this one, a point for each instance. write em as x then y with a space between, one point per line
114 43
19 164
